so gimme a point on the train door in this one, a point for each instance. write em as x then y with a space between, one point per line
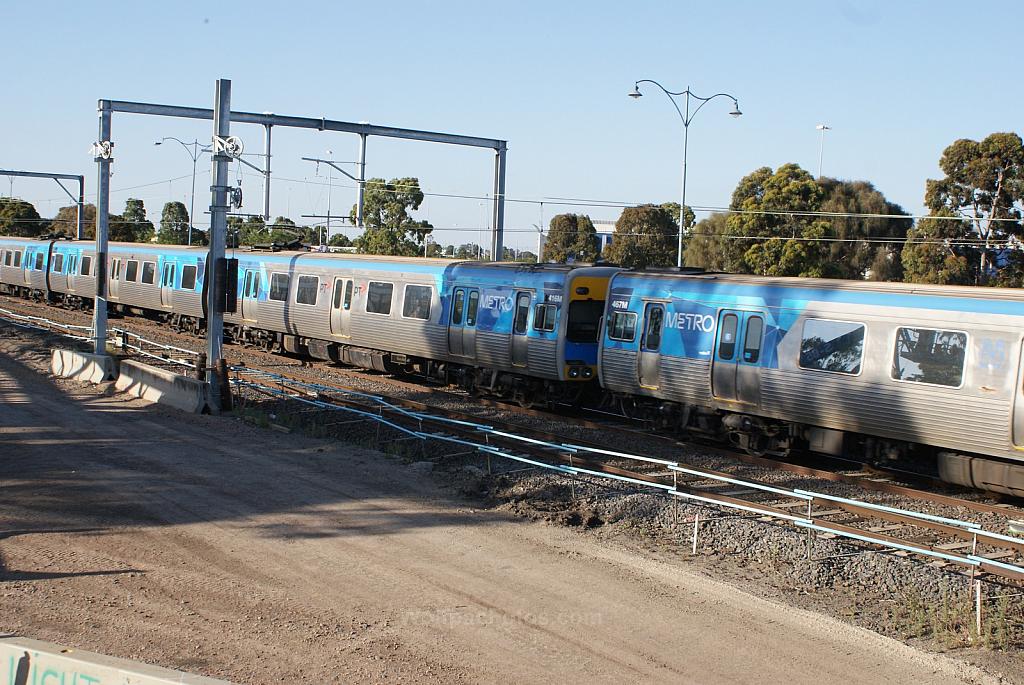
462 322
250 294
469 330
167 284
520 339
114 276
28 263
1018 404
72 269
341 307
456 322
650 344
735 372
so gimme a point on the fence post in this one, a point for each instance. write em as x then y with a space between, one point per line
977 607
696 523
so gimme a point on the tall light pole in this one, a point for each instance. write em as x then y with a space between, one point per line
194 153
686 119
821 144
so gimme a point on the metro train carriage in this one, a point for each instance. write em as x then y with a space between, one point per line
489 327
520 331
883 370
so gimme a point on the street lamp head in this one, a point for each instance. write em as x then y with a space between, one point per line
735 113
159 142
636 92
823 127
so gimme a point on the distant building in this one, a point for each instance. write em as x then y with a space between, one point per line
604 229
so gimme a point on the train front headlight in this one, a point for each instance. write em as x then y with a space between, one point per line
574 372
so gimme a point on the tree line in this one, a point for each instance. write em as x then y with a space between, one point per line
389 227
784 222
780 222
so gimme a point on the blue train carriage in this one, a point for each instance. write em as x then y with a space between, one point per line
527 332
885 371
54 270
373 312
164 282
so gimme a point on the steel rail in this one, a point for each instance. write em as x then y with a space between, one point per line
541 452
862 482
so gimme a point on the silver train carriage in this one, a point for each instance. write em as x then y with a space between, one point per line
527 332
888 370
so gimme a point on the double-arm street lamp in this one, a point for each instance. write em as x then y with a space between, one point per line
686 118
194 150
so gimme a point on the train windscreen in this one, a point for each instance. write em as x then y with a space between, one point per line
584 320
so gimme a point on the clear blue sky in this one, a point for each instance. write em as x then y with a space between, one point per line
897 81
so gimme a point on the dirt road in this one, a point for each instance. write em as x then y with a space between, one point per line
203 544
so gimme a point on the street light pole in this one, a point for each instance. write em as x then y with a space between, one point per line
821 144
686 119
194 154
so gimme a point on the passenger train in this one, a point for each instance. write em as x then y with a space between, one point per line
882 370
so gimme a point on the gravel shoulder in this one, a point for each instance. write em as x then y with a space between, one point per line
205 544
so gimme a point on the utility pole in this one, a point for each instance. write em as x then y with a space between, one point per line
266 175
103 152
361 192
215 271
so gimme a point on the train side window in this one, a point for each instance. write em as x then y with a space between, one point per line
727 337
279 287
417 302
149 273
17 259
86 265
39 261
131 271
307 290
115 269
339 289
7 257
167 281
544 317
58 263
72 264
752 339
622 326
926 355
655 321
347 302
188 277
836 346
522 313
378 298
471 306
458 305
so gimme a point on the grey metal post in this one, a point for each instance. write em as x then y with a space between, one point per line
361 192
498 235
218 233
266 175
682 200
192 197
81 207
99 310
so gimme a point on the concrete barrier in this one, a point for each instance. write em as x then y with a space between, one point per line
94 368
24 661
164 387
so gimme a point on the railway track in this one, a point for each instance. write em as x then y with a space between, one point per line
946 540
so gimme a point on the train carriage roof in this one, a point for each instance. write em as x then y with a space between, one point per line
896 288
